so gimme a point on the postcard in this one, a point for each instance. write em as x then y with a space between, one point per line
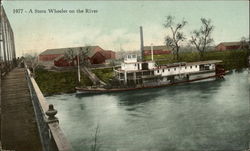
124 75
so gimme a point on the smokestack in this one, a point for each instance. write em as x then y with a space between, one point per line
141 33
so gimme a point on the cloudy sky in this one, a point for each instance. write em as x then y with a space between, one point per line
116 23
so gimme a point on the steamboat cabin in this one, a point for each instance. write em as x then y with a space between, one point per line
147 73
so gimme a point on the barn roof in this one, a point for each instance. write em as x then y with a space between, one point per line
92 50
235 43
107 53
162 47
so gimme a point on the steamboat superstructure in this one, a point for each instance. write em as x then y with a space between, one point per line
148 73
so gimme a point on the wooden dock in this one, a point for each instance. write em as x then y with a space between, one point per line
19 130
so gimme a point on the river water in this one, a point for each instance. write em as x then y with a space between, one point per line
210 115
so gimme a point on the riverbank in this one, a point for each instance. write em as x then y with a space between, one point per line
232 59
57 82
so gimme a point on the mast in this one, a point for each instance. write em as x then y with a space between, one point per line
78 67
152 52
142 45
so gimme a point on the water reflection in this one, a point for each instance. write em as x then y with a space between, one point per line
211 115
82 106
147 95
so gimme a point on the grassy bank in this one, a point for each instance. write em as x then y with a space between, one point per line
52 82
104 74
233 59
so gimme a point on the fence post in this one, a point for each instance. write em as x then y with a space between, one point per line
51 114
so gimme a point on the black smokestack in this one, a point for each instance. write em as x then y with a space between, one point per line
141 33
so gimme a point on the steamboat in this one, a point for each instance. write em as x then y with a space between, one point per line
134 74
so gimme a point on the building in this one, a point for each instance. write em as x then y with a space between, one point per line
109 54
232 46
51 54
96 55
157 50
98 58
61 62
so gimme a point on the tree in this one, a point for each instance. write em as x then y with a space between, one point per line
32 62
82 52
201 38
244 43
83 55
70 55
177 36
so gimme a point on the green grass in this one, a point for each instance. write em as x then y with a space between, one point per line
233 59
51 82
104 74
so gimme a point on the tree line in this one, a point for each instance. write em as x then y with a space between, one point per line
201 38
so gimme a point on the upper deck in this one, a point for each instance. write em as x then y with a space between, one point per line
131 64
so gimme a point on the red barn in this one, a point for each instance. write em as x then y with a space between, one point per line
231 46
108 54
62 62
51 54
157 50
96 55
98 58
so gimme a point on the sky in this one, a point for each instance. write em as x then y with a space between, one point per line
115 25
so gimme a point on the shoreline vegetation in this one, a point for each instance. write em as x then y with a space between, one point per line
59 82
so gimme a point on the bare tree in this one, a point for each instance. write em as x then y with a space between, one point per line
84 54
70 55
201 38
177 35
32 62
244 43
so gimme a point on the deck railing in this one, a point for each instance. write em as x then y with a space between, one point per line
51 135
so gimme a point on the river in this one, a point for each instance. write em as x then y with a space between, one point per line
211 115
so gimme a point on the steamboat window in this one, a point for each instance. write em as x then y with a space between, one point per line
158 71
190 67
174 69
185 67
168 69
162 70
195 66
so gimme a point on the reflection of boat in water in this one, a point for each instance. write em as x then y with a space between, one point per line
134 75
